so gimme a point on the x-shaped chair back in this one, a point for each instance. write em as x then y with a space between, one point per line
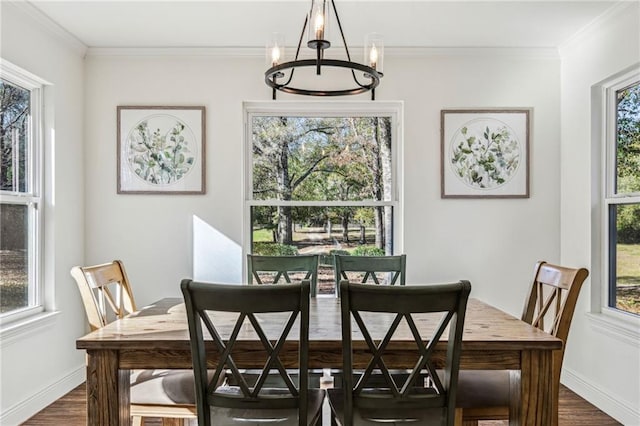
363 303
283 268
552 297
203 299
371 269
105 291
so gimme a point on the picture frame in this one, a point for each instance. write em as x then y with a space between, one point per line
161 149
485 152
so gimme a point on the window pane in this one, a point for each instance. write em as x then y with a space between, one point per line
14 134
14 261
324 231
628 140
322 159
625 258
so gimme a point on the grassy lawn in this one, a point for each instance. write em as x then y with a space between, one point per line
628 269
628 260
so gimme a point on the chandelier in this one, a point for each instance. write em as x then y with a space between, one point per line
365 77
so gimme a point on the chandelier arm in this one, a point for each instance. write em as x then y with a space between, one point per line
375 77
344 41
304 27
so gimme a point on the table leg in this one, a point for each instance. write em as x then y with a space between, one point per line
536 390
107 390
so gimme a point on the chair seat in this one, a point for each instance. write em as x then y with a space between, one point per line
162 387
378 416
482 388
282 416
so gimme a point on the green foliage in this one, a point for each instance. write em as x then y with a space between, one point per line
274 249
263 235
160 158
485 160
364 216
367 251
628 223
628 139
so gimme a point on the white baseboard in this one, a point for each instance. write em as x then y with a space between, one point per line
22 411
623 411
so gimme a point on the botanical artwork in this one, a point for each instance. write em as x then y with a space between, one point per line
161 150
485 153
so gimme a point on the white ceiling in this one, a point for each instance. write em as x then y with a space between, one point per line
243 23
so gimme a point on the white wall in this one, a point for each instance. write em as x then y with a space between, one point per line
39 367
602 365
444 239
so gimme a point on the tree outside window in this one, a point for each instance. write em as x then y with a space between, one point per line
322 185
624 203
19 200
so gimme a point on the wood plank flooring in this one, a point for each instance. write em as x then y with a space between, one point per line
70 410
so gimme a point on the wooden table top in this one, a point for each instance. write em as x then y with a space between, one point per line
163 325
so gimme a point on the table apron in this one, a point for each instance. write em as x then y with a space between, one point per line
155 358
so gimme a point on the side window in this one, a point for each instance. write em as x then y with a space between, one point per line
321 184
20 196
622 198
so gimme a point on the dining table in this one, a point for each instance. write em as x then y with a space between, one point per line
157 337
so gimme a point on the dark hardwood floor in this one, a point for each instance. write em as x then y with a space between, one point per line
70 411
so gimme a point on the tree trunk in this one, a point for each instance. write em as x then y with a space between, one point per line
345 227
363 235
385 162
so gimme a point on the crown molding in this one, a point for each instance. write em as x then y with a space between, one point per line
252 52
46 23
618 8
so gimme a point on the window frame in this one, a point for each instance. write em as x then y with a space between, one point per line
32 197
392 109
609 195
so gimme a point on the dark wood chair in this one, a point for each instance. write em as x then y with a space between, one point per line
251 403
370 269
107 295
358 403
277 268
485 395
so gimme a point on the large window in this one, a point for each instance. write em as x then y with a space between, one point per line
622 196
20 196
322 179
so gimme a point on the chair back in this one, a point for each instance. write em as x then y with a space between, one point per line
551 302
228 311
274 269
370 269
552 297
105 291
365 304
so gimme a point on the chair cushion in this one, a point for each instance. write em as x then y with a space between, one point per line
483 388
372 416
162 387
256 417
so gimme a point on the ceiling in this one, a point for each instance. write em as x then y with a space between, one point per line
243 23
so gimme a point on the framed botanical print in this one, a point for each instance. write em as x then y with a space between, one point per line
161 150
485 153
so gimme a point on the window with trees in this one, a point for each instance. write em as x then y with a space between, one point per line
622 196
20 198
322 179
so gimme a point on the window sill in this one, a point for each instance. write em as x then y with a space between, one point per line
620 326
14 331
